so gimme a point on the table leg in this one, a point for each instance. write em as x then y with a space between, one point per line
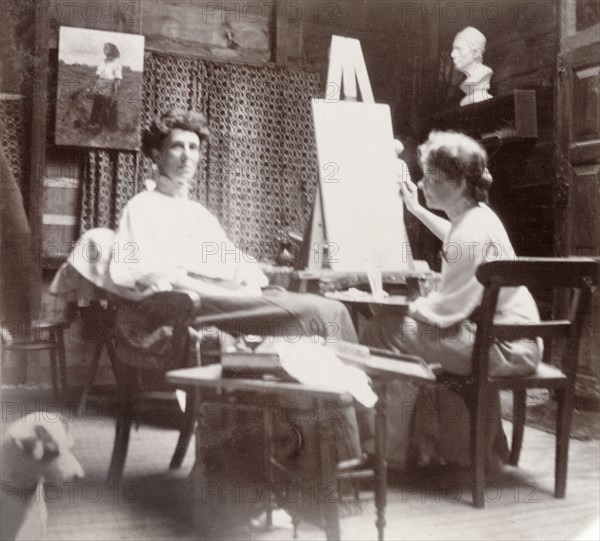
269 471
203 508
380 445
328 491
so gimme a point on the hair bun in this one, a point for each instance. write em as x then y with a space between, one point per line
486 177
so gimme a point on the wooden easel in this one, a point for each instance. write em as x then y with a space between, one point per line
346 76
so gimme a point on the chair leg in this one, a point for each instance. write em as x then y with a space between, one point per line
53 371
122 430
112 357
21 366
478 430
62 360
564 412
89 381
119 454
188 424
519 413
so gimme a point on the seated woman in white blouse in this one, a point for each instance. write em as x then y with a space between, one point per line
173 242
169 242
441 326
178 242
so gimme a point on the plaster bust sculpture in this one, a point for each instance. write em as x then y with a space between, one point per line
467 54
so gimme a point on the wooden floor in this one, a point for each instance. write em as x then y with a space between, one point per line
154 503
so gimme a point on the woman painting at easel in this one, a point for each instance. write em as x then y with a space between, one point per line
440 327
105 113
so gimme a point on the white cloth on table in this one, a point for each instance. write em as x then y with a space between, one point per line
310 362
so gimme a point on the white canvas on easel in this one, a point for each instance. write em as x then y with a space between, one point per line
362 212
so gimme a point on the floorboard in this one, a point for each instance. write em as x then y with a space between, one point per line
155 503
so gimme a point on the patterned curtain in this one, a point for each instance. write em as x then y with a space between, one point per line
13 113
262 159
260 170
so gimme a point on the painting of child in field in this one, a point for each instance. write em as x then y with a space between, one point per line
100 83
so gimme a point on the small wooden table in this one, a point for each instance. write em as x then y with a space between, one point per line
317 401
213 388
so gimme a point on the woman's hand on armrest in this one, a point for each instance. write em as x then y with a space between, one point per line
251 275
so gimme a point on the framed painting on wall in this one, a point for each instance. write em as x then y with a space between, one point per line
100 88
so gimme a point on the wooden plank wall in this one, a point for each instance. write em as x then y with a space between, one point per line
290 33
229 31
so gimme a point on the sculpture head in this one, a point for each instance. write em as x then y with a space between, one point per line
468 48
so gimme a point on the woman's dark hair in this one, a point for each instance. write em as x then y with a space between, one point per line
161 127
113 50
458 156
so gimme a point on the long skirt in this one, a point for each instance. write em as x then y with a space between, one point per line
429 423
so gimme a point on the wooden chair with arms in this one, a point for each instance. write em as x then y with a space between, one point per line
576 274
173 308
139 370
122 326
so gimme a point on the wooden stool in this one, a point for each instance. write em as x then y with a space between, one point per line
46 335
